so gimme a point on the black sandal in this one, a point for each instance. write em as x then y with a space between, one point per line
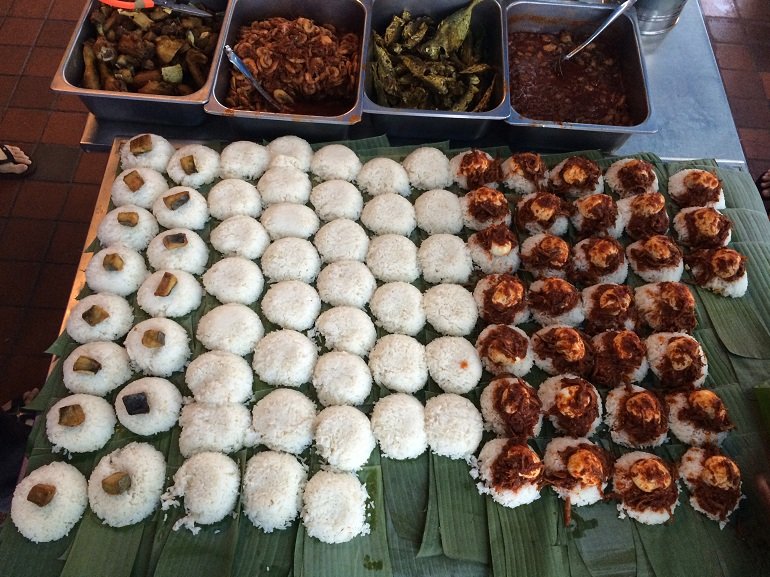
11 159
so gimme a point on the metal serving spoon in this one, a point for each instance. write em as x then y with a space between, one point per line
236 61
614 15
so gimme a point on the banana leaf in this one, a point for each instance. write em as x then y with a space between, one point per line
405 487
720 367
360 146
762 394
748 225
430 545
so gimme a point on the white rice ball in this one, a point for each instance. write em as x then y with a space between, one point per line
389 213
112 368
380 175
347 329
566 412
137 186
284 184
334 507
453 426
234 279
624 481
206 162
335 199
146 469
272 490
291 259
643 409
285 358
91 434
527 492
335 161
392 257
283 420
178 248
398 363
291 304
450 309
680 193
454 364
445 258
398 308
181 207
163 399
156 157
438 211
219 377
298 150
159 359
129 225
120 317
499 347
231 327
116 269
341 378
346 283
209 483
398 423
343 437
341 239
240 235
244 160
184 298
283 219
54 520
215 427
427 168
231 197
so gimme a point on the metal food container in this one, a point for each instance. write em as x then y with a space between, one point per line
486 22
552 16
129 106
344 15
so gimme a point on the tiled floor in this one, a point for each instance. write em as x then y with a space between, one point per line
44 218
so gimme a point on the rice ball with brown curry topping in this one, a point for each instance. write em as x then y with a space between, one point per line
596 215
539 212
474 168
572 404
505 350
619 357
646 486
598 260
698 417
636 417
644 215
495 249
545 255
677 359
666 306
609 306
576 176
578 470
631 176
511 473
720 270
502 299
561 349
483 207
656 258
524 172
511 408
703 227
714 482
696 187
554 301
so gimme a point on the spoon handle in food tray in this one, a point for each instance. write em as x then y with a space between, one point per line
617 13
236 61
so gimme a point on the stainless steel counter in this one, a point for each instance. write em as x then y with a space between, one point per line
688 97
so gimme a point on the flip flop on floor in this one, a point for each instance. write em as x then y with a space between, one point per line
14 161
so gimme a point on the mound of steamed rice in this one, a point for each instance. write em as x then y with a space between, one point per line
445 258
623 481
290 150
397 308
483 207
341 239
90 435
205 159
209 483
234 279
272 490
586 270
192 256
243 159
334 507
151 184
539 212
283 219
284 184
146 469
343 437
450 309
678 191
480 161
113 370
581 493
118 322
283 420
684 421
114 228
162 360
53 521
616 408
231 327
494 255
612 178
577 186
382 175
398 363
291 304
713 481
346 329
346 283
156 158
103 276
652 272
170 213
185 296
285 358
499 352
389 213
335 161
453 426
163 399
219 377
398 424
224 428
438 211
526 493
392 257
341 378
500 404
556 402
572 316
427 168
502 298
231 197
454 364
240 235
519 180
660 363
335 199
587 210
291 259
